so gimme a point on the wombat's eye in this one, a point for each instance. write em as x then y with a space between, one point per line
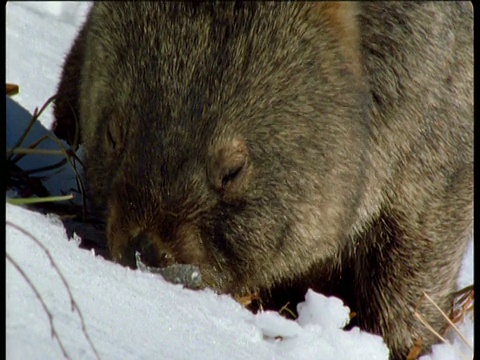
229 168
231 174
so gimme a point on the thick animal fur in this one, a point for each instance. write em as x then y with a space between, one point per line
284 145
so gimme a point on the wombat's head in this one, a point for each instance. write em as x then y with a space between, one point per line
229 136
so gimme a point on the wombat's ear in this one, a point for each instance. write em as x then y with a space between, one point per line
341 18
229 167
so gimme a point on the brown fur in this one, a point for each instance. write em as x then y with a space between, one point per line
281 146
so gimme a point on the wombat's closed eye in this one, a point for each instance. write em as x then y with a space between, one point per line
229 168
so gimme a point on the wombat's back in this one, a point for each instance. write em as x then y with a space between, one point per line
418 61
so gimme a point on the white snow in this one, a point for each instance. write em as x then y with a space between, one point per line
37 42
134 315
129 314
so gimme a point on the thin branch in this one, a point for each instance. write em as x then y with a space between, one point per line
35 116
42 302
79 178
64 281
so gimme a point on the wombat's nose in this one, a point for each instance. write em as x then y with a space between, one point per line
151 255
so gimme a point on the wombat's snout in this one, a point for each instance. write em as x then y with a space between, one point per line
150 254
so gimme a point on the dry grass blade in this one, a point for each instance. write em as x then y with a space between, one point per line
429 327
416 349
35 116
31 146
21 152
465 291
31 149
448 320
30 186
27 151
73 304
36 200
463 303
79 178
285 308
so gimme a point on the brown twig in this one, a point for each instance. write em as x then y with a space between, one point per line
448 320
417 348
42 302
79 179
73 304
35 116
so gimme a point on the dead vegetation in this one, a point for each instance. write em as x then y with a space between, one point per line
462 307
29 186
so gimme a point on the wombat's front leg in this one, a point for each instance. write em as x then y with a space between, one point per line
411 253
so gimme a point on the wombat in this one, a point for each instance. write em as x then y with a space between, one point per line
283 146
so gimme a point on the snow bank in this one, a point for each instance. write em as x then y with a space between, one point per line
134 315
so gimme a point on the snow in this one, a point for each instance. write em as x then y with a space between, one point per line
36 44
131 314
134 315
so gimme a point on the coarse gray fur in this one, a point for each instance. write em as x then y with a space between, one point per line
276 145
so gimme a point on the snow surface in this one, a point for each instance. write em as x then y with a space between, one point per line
129 314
